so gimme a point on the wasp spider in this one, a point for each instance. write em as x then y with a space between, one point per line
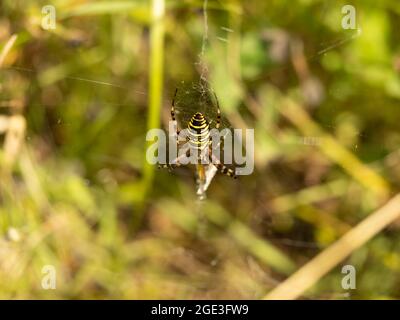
199 117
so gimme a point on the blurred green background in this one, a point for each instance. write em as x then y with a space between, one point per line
76 103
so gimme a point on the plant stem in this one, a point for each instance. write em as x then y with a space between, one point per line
313 271
155 96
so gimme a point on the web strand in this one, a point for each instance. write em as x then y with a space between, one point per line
202 63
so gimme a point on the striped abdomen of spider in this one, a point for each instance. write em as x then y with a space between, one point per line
198 133
199 140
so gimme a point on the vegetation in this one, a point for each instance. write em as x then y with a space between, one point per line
77 193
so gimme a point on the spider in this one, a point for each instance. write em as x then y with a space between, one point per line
199 139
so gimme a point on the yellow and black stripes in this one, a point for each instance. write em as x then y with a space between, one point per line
223 169
199 132
198 136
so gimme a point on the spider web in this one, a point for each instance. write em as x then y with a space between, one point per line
203 84
197 97
192 98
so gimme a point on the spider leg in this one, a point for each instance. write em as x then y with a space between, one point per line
217 125
173 112
219 144
175 163
223 169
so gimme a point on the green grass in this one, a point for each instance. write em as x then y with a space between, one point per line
76 191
